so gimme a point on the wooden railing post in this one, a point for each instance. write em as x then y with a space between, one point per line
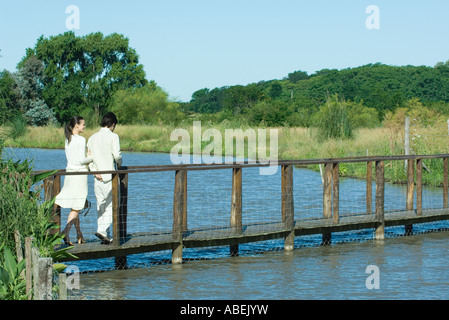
287 207
369 187
445 182
178 205
410 187
380 198
335 192
52 187
123 203
236 206
327 198
184 204
116 235
121 261
419 166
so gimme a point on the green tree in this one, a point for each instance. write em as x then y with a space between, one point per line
84 72
333 120
275 90
29 80
8 98
145 105
239 99
297 76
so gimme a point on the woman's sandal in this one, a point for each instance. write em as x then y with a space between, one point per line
66 241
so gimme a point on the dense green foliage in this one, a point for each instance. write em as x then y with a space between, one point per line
372 90
145 105
23 209
65 75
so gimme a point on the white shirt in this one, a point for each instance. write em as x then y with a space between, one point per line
105 148
75 152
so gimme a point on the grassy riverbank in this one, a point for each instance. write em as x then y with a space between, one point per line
294 143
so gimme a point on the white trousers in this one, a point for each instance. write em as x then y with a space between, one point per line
103 193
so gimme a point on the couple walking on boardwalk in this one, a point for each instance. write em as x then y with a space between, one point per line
103 153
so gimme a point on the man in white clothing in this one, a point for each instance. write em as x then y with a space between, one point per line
104 147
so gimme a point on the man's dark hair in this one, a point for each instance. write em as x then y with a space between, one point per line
109 119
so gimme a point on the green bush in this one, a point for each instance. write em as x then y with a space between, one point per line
332 120
146 105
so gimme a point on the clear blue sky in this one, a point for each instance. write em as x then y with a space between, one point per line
187 45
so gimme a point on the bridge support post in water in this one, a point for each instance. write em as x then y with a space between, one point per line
287 205
380 195
236 207
178 212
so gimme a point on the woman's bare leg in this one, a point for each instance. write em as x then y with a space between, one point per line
79 234
72 218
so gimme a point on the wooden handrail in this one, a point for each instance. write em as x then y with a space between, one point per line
249 164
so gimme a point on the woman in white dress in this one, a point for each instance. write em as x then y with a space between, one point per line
74 192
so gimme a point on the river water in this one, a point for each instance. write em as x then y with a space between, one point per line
405 267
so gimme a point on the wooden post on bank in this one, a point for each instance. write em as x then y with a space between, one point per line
287 207
178 205
42 276
380 194
410 187
327 199
28 267
236 206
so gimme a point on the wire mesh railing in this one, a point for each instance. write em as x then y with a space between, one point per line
173 209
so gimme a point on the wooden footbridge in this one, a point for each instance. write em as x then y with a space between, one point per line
288 227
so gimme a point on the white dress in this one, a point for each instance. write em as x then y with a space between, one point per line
74 192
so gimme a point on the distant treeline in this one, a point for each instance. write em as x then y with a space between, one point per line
66 75
295 100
